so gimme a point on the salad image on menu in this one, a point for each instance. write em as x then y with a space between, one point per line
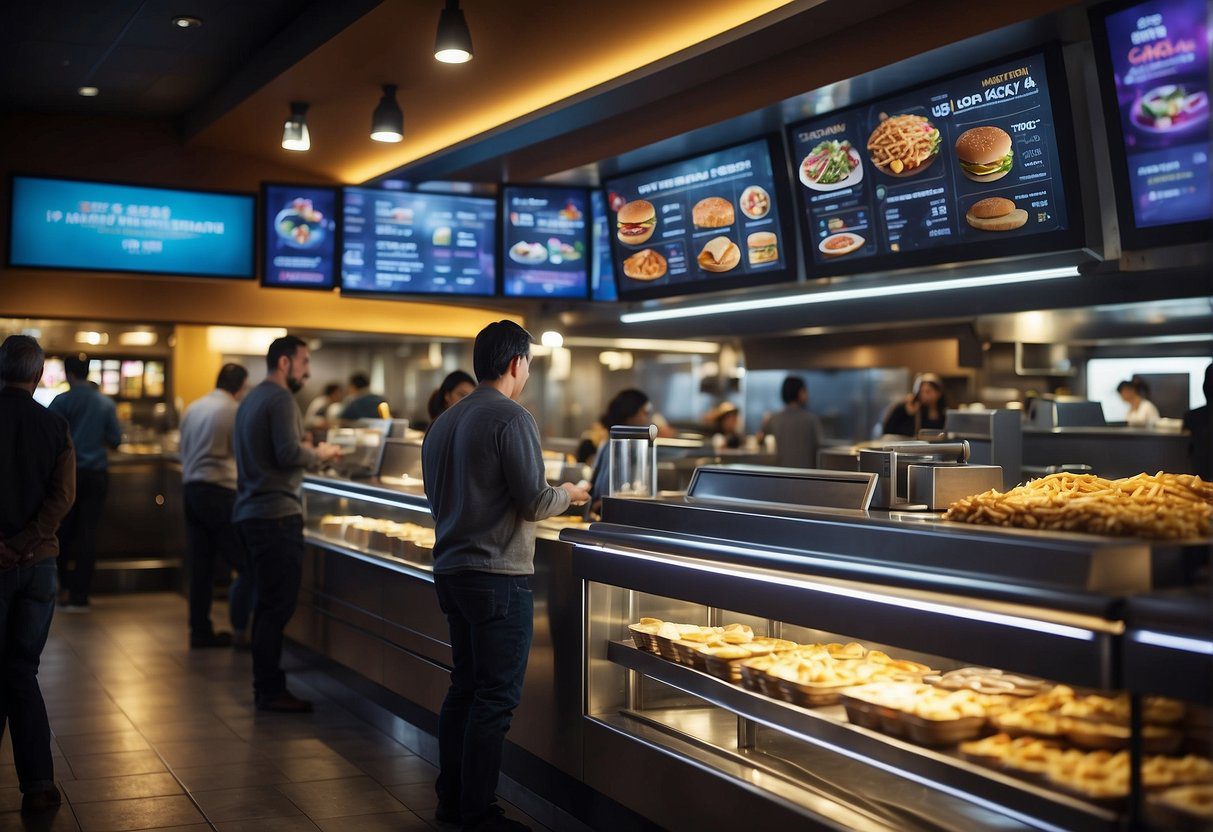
301 245
708 218
1160 60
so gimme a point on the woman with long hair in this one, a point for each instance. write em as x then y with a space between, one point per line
453 388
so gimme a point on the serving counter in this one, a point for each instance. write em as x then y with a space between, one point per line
1110 451
765 750
368 603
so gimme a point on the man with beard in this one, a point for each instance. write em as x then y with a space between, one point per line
271 454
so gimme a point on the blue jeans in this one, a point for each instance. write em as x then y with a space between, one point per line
27 603
275 551
491 618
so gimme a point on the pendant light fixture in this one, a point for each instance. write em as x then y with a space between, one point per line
295 134
387 125
454 42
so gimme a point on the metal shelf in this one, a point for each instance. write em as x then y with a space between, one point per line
1014 797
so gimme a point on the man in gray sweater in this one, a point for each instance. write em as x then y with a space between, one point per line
271 455
483 472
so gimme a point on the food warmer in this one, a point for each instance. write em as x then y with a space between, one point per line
691 747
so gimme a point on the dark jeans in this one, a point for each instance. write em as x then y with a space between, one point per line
275 550
78 537
212 540
491 618
27 602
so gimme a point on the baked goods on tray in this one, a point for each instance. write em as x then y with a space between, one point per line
987 680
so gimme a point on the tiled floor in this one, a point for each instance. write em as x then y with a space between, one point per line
151 735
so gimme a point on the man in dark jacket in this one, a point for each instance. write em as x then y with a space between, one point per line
37 487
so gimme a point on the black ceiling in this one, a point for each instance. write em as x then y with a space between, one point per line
130 49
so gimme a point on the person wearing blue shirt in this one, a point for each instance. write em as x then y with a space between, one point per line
361 403
94 424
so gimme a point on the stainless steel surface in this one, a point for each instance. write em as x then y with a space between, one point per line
890 463
1051 413
995 438
828 727
782 486
1111 452
1063 646
892 545
938 486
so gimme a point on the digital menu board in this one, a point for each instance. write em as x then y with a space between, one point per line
969 167
1153 60
602 269
396 242
708 222
99 226
544 238
300 223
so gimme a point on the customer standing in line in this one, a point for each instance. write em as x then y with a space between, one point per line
271 455
37 486
483 472
208 474
94 422
797 431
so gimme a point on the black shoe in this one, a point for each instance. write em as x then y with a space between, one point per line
285 703
496 821
447 815
44 800
212 640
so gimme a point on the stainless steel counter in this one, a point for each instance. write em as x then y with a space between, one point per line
1111 451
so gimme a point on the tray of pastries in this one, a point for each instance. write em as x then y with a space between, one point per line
815 675
1023 755
989 680
404 540
1183 808
1103 776
923 713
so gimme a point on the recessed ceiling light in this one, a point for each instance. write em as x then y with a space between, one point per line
187 22
89 92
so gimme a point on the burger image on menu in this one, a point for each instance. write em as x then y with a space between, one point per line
636 222
720 255
763 248
984 153
995 214
713 212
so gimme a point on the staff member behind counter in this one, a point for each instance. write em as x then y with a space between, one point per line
483 473
926 407
797 431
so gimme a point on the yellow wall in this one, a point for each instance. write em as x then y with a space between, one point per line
195 367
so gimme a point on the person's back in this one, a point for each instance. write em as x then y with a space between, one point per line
797 433
206 440
1199 424
363 406
94 421
34 444
483 470
269 459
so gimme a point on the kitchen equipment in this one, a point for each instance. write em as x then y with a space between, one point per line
633 461
937 486
891 463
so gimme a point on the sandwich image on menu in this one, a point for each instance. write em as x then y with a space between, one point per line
720 255
763 247
995 214
636 222
713 212
985 153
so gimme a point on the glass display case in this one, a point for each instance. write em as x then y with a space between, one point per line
392 523
825 668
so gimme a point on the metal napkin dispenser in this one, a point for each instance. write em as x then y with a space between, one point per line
925 476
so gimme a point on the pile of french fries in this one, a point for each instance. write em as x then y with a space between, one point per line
1158 506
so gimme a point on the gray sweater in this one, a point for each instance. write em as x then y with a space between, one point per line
483 472
270 458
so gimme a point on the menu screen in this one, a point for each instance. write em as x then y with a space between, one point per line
300 236
1160 66
969 162
415 243
602 269
704 223
71 224
546 246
